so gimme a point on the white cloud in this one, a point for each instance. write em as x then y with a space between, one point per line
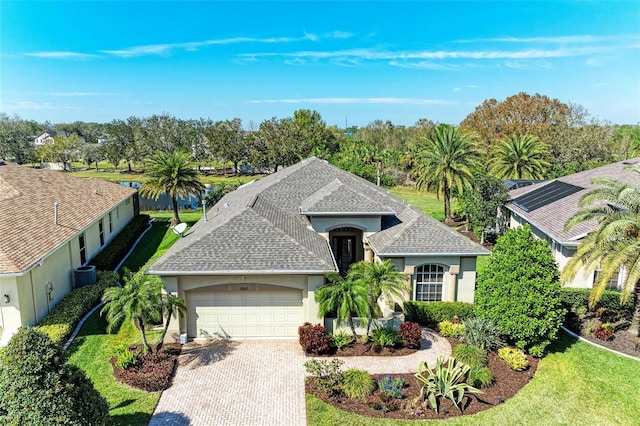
381 100
79 94
61 55
570 39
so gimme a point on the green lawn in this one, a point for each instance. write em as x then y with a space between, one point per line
425 201
575 384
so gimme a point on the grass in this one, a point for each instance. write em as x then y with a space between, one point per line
425 201
153 244
575 384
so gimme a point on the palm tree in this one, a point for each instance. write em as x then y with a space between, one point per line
345 297
380 278
614 244
520 157
171 305
446 162
173 174
139 301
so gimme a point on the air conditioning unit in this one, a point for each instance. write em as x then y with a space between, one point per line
85 275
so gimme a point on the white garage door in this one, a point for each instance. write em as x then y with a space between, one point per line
238 314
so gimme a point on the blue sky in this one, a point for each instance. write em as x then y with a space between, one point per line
354 62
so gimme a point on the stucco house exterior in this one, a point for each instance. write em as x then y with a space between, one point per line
547 206
251 269
50 224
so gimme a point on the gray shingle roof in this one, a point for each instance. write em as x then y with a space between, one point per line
259 227
551 218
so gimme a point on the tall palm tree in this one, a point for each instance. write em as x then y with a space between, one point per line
174 174
171 305
445 162
614 243
380 278
520 157
138 301
345 297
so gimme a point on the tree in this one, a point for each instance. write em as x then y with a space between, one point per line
482 203
381 278
614 244
15 136
64 149
344 297
446 161
39 388
139 301
174 174
520 157
520 291
171 306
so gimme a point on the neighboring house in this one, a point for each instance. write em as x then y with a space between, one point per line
547 206
50 224
48 137
251 269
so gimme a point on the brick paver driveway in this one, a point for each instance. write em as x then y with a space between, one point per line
252 382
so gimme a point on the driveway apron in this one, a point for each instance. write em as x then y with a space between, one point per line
250 382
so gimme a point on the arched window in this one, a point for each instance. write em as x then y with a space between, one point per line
429 281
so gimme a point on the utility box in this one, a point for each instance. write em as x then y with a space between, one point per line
183 338
85 275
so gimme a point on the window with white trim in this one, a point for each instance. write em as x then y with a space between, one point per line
429 282
101 231
83 249
110 223
613 281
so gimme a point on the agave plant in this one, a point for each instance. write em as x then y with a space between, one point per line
447 380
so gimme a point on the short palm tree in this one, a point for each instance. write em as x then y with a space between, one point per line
445 162
346 298
614 244
171 306
174 174
520 157
138 301
381 278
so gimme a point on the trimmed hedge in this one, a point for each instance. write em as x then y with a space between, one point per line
576 297
112 254
59 324
431 313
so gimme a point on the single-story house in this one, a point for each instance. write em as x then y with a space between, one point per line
547 206
48 137
252 266
51 223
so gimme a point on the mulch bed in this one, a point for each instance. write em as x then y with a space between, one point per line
507 383
367 349
153 372
623 340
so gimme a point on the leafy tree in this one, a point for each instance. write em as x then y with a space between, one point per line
171 306
615 242
344 297
139 301
64 149
381 278
39 388
482 203
15 136
520 157
446 161
519 289
123 144
174 174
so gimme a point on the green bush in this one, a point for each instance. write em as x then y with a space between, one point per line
480 377
431 313
578 298
386 337
125 357
519 289
39 388
516 359
471 355
114 252
483 333
59 324
357 384
342 339
449 329
538 350
326 374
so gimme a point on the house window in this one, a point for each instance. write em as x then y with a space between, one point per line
101 232
83 250
110 223
429 281
613 281
118 212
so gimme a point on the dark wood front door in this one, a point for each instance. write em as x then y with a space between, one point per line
344 250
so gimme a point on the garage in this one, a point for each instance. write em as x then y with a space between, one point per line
244 314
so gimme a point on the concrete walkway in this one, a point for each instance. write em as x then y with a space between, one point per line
260 382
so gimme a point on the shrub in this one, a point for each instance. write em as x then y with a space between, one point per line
538 350
603 331
39 388
516 359
445 381
480 377
342 339
449 329
483 333
112 254
386 337
392 387
326 374
411 334
152 373
579 298
125 357
357 384
471 355
314 339
383 402
520 290
431 313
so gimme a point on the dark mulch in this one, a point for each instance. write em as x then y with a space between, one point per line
623 340
507 384
153 372
367 349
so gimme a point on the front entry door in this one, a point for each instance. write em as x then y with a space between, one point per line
344 250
